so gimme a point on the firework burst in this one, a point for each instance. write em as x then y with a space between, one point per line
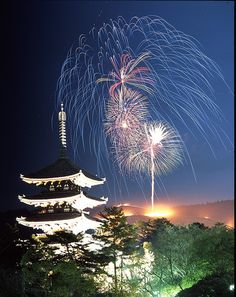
158 141
157 150
126 112
128 73
145 54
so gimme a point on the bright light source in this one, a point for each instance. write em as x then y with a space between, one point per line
229 224
124 125
160 212
231 287
128 214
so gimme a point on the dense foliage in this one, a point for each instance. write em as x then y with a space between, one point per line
154 258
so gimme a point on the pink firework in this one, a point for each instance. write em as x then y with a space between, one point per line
125 114
128 73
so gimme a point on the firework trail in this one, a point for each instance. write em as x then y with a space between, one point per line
158 150
145 54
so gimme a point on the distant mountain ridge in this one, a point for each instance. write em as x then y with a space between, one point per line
207 213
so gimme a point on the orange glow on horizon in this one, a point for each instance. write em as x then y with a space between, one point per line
128 214
159 211
123 204
230 224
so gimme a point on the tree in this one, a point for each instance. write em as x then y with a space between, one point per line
152 230
183 255
67 280
48 274
210 286
117 239
10 251
36 265
173 267
214 250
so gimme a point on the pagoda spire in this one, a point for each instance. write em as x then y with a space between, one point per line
61 203
62 132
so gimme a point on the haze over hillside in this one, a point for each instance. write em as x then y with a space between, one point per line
207 213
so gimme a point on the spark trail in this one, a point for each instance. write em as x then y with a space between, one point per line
146 55
158 150
127 73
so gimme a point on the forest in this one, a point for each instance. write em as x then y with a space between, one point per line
153 258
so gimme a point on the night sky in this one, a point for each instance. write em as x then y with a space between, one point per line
37 37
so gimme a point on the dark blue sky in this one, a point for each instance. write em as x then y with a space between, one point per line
37 37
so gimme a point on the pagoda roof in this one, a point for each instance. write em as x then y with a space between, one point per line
51 222
62 169
52 195
60 216
79 200
60 195
52 216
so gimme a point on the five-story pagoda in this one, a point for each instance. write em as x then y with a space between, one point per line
61 203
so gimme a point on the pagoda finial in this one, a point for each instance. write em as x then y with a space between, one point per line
62 131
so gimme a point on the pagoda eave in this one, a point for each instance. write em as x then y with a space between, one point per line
84 181
85 201
79 201
78 224
79 179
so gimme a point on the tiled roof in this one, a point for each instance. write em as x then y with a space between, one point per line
61 167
